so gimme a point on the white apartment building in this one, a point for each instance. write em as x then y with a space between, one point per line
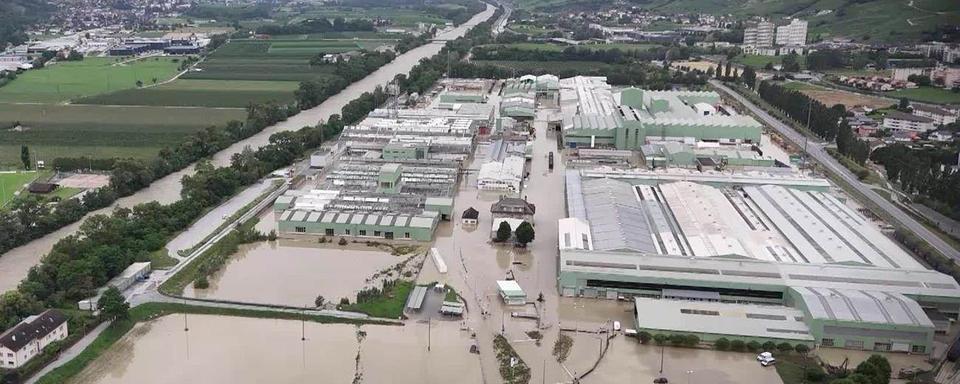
28 338
793 34
939 116
905 122
760 35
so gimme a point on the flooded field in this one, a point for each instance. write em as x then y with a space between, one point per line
240 350
294 273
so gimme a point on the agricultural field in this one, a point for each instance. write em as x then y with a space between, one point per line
94 75
100 131
400 17
201 93
276 60
928 94
831 97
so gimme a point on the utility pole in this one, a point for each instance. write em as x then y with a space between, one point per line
303 324
429 332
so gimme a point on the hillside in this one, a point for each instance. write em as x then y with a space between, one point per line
876 20
14 14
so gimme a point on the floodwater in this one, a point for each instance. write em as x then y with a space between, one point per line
628 361
293 274
15 264
220 349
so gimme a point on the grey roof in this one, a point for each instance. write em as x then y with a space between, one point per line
749 320
31 329
415 301
862 306
617 220
906 116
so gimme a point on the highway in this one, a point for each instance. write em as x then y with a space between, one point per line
831 164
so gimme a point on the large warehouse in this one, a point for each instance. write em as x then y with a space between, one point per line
736 240
593 118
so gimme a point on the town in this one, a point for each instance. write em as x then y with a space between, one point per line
460 191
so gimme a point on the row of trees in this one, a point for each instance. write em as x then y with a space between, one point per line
106 244
828 123
321 25
925 173
584 53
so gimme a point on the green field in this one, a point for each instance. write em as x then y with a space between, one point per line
101 131
400 17
276 60
201 93
540 65
550 47
927 94
13 182
94 75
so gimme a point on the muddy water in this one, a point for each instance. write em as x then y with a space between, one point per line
628 361
293 274
15 263
239 350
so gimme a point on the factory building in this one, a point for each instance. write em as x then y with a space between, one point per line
700 251
703 156
592 117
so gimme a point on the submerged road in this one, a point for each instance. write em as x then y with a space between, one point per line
15 263
824 158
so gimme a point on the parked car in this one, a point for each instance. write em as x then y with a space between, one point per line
764 355
768 362
616 326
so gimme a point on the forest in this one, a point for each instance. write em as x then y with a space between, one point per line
926 173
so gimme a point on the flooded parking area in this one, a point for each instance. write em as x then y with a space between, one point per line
240 350
293 273
629 361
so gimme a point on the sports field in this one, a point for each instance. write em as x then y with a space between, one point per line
101 131
11 182
94 75
201 93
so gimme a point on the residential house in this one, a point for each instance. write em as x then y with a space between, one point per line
471 216
28 338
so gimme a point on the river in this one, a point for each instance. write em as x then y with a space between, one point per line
15 264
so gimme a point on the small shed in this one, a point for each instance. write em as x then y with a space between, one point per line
415 301
42 188
511 292
471 216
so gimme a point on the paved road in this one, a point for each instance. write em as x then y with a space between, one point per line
835 167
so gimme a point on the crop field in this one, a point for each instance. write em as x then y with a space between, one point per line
94 75
399 17
277 60
101 131
201 93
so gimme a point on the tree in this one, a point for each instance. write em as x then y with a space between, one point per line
691 340
503 232
139 84
768 66
525 233
319 301
25 156
749 76
719 71
753 346
904 104
769 346
785 347
660 339
113 305
722 344
802 349
791 63
728 72
644 337
738 345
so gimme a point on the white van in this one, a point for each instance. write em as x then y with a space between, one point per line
764 356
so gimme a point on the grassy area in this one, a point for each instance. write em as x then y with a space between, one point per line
94 75
64 193
794 369
202 93
451 294
388 306
151 311
759 61
927 94
550 47
401 17
10 183
101 131
160 259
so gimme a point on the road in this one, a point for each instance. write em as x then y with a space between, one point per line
835 167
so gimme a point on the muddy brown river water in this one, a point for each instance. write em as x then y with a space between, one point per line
293 273
240 350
